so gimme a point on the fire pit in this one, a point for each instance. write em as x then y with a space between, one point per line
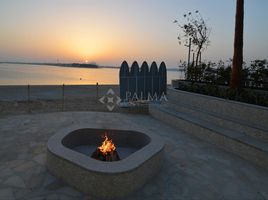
69 158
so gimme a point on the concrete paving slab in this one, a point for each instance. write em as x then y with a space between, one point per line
193 169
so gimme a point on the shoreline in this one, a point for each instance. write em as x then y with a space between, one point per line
72 65
171 69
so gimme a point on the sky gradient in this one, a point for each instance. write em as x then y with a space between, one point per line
108 32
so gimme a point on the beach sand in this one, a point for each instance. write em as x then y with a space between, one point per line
14 100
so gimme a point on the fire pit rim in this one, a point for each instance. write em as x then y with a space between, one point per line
130 163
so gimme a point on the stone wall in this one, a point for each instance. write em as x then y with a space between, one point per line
257 115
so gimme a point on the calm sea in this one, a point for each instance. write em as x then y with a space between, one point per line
24 74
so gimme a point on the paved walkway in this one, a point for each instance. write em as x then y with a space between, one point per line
193 169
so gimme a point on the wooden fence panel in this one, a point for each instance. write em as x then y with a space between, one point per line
162 79
145 80
124 79
142 83
133 80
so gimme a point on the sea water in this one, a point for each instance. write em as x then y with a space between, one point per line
24 74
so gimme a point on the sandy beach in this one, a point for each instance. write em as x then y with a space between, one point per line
53 98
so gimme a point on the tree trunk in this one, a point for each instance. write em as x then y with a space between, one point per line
189 51
238 46
196 63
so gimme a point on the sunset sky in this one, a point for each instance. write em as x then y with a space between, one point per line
108 32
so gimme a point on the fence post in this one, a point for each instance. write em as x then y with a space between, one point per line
63 94
28 100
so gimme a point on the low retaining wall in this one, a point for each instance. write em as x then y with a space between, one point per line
254 114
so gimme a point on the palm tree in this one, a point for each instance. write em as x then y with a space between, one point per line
238 46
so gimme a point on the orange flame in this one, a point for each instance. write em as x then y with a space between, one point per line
107 146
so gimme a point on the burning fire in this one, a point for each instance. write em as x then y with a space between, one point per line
107 146
107 151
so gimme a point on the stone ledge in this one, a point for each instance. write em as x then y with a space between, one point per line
236 143
257 115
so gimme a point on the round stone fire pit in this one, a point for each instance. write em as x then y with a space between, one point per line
69 158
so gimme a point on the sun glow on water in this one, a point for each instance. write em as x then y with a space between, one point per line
22 74
17 74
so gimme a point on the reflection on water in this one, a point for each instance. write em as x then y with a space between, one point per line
22 74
